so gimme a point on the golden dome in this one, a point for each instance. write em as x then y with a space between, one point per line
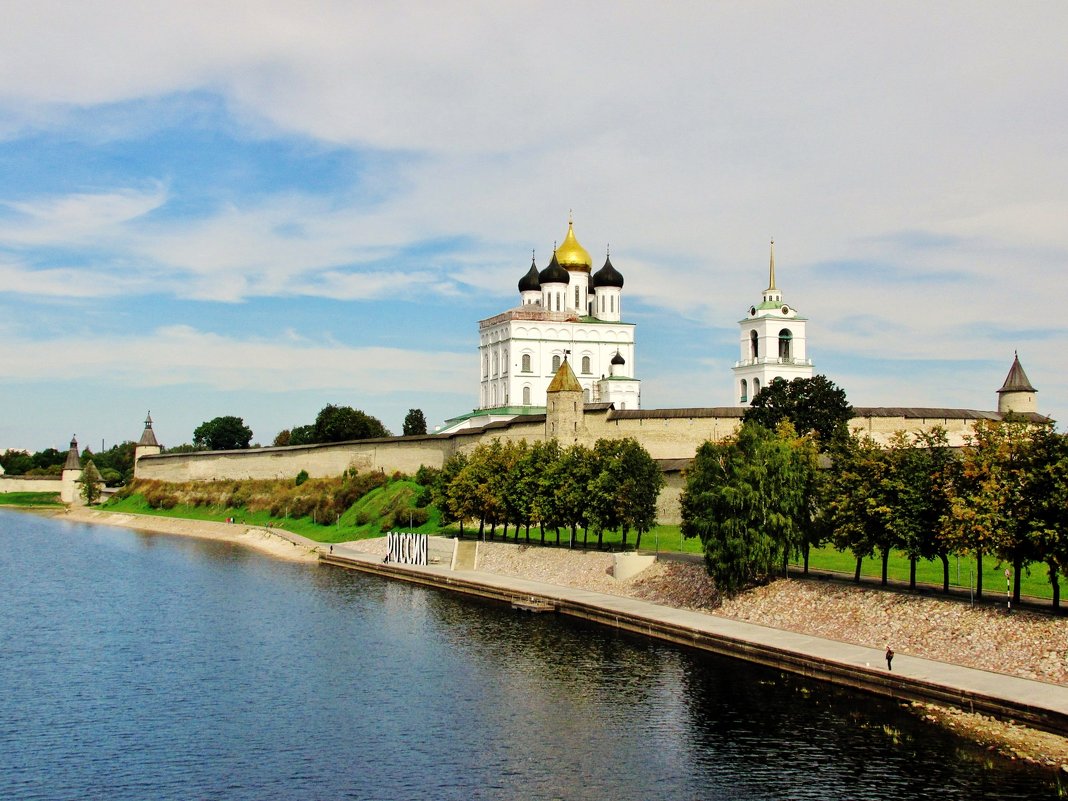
570 254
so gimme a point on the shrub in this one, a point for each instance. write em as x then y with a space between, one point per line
302 476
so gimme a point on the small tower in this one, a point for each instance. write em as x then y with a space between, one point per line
72 471
564 407
607 289
553 281
620 389
530 285
576 260
772 343
148 445
1016 395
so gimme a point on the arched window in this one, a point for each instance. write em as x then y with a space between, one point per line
494 395
485 365
754 344
785 340
756 387
612 304
586 395
577 307
526 396
496 364
586 365
556 363
526 362
745 392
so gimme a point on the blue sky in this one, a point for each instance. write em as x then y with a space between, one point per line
259 209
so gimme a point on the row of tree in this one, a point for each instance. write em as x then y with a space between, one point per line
332 424
612 486
760 497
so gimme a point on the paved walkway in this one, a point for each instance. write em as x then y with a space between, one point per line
867 663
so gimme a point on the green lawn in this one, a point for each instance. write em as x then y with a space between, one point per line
369 508
1033 582
43 499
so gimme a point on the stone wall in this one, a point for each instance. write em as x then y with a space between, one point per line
30 483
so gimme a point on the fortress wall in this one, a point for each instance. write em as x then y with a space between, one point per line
404 455
30 484
882 429
668 502
665 438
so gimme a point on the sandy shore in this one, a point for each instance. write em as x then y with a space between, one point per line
282 545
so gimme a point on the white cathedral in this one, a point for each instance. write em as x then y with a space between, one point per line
566 311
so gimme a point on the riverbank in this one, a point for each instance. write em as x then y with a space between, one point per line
1021 643
279 544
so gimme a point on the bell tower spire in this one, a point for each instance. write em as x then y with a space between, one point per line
772 343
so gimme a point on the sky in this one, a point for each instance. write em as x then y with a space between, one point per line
259 208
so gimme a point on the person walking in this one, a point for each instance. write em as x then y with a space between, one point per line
889 656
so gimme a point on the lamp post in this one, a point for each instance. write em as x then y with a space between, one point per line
1008 589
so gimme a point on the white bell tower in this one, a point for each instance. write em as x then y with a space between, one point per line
772 344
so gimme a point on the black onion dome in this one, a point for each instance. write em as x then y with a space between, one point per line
608 276
618 359
554 273
530 282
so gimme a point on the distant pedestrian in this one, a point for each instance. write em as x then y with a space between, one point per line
889 656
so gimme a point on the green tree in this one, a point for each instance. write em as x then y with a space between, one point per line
858 501
441 490
813 404
227 433
343 423
16 463
89 483
1045 490
745 498
567 483
414 423
991 510
302 435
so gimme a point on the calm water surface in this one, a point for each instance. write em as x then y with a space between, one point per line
137 666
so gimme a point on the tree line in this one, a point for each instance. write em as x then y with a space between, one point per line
761 497
612 486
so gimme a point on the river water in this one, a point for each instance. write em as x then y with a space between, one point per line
137 666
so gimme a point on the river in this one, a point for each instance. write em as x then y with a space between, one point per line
139 666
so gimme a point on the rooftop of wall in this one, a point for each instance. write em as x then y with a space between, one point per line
22 477
496 426
934 413
665 414
673 465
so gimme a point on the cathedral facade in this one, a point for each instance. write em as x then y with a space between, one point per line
566 312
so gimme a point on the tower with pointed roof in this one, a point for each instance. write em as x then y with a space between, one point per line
72 471
148 445
564 407
566 310
772 343
1016 395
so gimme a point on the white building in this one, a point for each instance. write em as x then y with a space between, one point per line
565 311
772 344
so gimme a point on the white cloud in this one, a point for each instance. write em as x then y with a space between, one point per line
184 355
